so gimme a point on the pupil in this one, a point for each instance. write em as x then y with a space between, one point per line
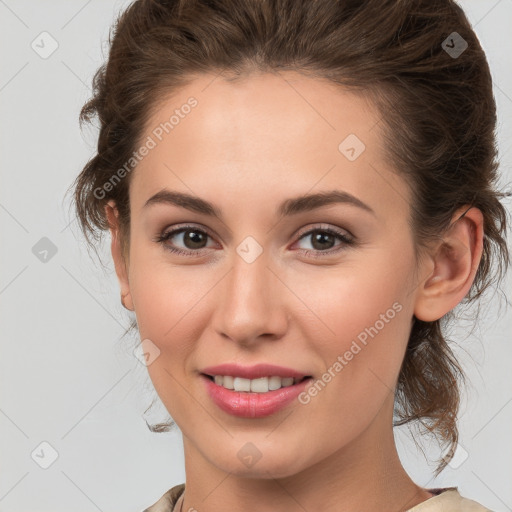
194 237
319 237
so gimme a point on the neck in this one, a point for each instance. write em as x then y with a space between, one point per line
365 475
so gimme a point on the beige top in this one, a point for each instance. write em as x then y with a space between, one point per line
446 499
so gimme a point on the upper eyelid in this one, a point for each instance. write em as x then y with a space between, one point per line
324 227
180 229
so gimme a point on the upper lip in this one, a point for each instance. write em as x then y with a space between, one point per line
252 372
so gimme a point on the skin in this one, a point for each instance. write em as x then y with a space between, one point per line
246 147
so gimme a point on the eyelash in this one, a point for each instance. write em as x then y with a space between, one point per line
346 241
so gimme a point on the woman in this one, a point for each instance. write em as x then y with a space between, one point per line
299 194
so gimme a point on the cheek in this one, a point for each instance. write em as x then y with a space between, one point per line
363 314
163 294
168 308
361 342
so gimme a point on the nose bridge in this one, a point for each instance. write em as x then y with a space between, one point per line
249 305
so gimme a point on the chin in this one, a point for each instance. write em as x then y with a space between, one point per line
249 462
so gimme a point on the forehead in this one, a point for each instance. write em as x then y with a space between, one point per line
264 134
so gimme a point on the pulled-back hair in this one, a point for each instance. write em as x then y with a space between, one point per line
438 121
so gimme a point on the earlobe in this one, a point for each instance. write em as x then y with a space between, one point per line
455 262
112 215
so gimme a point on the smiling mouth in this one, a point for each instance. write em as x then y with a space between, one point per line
259 385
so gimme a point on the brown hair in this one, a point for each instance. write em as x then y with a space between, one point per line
438 117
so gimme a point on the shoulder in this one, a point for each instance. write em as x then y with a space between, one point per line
448 499
168 500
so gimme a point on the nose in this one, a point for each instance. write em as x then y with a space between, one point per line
251 303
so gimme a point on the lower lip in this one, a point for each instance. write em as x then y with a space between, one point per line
252 405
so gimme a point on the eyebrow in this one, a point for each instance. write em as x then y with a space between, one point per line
289 207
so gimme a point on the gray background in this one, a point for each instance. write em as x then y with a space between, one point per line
67 377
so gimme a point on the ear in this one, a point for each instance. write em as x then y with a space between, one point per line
112 215
453 264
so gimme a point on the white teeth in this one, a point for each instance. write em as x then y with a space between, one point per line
241 384
274 383
228 382
260 385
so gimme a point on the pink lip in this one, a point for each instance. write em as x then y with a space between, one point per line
251 405
252 372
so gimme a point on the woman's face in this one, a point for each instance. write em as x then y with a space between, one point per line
326 289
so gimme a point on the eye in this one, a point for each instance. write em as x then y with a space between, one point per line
195 239
192 237
323 239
